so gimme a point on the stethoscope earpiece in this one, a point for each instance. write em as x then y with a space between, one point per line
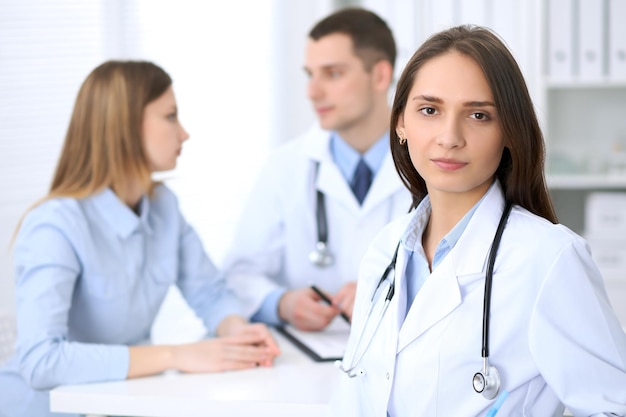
487 382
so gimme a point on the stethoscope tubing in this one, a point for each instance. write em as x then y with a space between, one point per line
354 362
321 256
320 215
356 359
489 278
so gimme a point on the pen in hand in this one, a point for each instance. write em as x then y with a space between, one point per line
328 301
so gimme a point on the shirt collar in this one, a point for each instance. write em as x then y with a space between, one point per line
118 215
347 157
412 238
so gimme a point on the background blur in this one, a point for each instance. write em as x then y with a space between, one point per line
241 90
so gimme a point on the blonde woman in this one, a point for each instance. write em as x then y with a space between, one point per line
94 259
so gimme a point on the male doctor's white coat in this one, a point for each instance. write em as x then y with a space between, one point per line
278 229
554 337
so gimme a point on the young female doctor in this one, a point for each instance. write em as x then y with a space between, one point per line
466 141
95 258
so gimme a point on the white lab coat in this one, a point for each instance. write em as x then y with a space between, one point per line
278 228
553 335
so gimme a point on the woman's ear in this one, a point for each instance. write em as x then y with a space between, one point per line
400 126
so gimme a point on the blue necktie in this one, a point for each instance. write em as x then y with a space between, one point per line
361 181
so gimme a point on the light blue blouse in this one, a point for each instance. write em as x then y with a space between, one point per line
417 269
90 278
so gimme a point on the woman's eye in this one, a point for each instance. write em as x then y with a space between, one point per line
479 116
429 111
172 117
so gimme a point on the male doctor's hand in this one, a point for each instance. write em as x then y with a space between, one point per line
303 309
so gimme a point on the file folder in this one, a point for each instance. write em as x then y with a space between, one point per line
591 27
560 40
505 20
617 40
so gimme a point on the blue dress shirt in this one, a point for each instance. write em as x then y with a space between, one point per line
346 159
417 269
90 278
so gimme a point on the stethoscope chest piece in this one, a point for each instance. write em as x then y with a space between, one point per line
487 383
321 256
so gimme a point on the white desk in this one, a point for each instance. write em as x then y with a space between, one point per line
294 386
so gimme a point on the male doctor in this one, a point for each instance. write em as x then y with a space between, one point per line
324 196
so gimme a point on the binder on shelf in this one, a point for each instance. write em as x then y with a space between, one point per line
609 255
504 19
560 40
590 51
605 214
617 40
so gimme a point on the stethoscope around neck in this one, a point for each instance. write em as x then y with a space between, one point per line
321 256
487 380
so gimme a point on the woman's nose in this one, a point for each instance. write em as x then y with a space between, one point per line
184 135
451 135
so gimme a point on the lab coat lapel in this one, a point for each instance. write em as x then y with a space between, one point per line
463 267
331 182
329 179
439 295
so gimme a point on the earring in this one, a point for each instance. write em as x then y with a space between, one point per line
402 139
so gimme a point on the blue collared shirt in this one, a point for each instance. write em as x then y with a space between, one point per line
417 269
90 278
346 158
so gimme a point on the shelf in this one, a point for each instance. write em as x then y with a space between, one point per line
582 182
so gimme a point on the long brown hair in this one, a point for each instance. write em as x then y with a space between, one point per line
521 169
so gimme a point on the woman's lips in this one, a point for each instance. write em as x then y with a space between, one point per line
449 164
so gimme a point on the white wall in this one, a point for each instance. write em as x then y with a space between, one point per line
39 77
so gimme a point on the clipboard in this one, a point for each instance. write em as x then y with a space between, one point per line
322 346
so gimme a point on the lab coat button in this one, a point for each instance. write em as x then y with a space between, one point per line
387 376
